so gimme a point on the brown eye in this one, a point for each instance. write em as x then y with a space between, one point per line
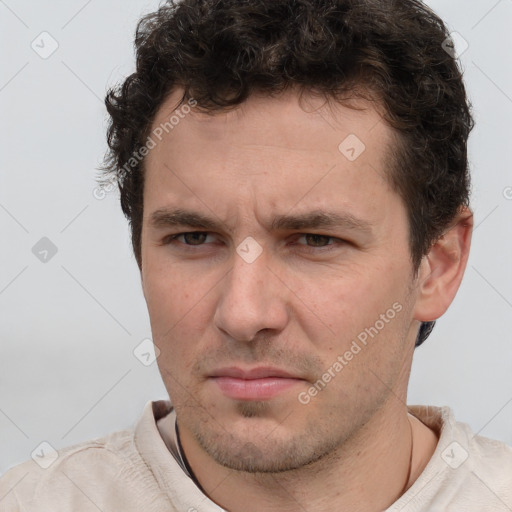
317 240
194 238
190 239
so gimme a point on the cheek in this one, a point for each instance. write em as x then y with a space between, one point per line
367 320
171 291
340 305
180 309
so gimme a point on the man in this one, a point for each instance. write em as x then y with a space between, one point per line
295 176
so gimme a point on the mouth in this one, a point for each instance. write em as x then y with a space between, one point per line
261 383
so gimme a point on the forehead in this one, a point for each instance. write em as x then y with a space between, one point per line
289 120
282 151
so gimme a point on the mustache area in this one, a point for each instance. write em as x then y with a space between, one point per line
305 366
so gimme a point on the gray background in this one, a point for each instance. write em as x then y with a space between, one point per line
69 325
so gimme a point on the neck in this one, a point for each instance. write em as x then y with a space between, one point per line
369 472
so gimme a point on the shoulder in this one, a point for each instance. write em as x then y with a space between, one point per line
458 441
489 457
480 469
96 472
466 472
491 464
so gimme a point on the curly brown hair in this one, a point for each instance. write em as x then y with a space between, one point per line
393 52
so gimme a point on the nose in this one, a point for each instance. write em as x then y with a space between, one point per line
252 299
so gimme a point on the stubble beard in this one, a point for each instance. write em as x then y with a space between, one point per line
254 451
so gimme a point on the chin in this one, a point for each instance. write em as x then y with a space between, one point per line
255 445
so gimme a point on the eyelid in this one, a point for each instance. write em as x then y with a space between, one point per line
300 235
193 232
334 244
332 240
168 239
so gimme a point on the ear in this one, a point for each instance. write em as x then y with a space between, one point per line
441 270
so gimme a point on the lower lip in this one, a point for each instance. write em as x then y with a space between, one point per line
254 389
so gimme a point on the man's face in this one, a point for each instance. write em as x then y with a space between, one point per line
278 348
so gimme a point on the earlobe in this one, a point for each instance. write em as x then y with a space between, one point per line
442 269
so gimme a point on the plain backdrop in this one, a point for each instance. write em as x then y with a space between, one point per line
69 325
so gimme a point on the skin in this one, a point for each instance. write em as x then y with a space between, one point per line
297 307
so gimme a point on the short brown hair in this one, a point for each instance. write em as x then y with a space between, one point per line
390 51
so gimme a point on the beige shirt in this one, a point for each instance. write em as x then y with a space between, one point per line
136 471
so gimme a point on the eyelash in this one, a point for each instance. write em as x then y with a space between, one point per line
311 248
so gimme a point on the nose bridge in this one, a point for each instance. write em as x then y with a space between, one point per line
250 298
248 284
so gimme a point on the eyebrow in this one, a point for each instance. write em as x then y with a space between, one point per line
321 219
164 218
317 219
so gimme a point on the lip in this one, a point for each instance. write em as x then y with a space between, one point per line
262 383
261 372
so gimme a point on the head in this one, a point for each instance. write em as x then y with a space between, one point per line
333 134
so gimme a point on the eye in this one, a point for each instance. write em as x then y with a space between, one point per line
191 238
314 240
